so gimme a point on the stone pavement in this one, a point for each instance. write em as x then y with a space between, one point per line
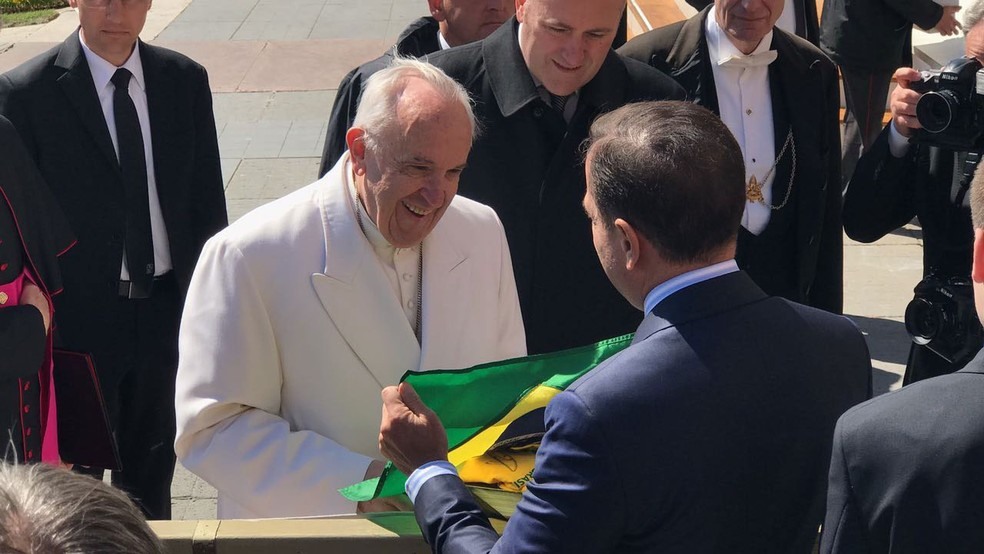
274 66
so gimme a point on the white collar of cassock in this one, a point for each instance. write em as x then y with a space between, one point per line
723 52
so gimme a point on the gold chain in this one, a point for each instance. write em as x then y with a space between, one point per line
753 190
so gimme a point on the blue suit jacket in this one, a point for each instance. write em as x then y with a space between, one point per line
711 433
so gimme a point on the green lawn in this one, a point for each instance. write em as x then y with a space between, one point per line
33 17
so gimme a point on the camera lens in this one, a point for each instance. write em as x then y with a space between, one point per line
923 320
935 110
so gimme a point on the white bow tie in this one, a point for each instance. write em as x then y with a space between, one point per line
761 59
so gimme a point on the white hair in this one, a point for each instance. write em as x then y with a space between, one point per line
48 510
973 15
378 105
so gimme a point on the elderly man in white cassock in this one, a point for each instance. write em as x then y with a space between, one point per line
304 309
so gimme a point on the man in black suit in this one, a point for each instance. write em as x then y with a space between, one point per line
896 181
124 135
778 95
712 431
868 41
538 82
906 469
451 23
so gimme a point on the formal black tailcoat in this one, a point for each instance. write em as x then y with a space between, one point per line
52 102
528 165
907 470
805 99
416 41
710 434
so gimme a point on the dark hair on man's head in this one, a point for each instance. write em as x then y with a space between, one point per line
674 172
48 510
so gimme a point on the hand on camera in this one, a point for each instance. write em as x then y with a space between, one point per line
903 101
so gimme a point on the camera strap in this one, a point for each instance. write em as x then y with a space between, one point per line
964 165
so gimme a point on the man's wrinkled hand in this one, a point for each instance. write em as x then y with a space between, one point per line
410 433
903 101
948 24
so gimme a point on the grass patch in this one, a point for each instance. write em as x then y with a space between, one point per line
33 17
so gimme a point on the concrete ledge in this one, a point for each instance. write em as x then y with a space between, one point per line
383 534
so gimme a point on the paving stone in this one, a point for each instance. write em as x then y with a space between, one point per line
307 65
304 140
241 107
300 105
352 29
266 139
267 179
226 62
200 30
229 167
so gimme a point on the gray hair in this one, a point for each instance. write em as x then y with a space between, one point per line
48 510
973 15
381 95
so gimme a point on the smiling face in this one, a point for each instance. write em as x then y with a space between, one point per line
564 42
408 178
112 31
464 21
746 22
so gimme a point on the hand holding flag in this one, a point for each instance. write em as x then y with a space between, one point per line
410 433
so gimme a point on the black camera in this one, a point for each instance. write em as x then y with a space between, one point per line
943 318
951 108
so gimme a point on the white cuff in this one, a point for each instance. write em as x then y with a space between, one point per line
898 144
424 473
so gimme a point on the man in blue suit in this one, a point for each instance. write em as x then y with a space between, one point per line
712 432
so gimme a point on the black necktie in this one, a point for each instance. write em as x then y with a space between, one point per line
559 103
139 245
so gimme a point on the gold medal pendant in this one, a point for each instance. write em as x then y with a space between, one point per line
753 190
3 298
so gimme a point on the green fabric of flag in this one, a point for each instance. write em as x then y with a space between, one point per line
470 401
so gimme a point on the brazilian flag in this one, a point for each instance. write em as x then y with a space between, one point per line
493 414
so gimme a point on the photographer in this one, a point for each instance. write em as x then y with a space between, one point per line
897 179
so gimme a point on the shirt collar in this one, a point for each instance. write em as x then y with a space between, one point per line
720 48
441 41
663 290
103 71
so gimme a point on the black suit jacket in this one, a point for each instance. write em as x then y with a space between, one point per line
527 164
886 192
907 470
53 103
875 35
805 81
417 40
711 433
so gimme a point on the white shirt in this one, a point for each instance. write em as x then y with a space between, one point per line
401 265
745 102
102 72
442 42
663 290
659 293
